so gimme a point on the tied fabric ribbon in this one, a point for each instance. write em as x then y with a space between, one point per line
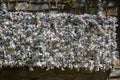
61 40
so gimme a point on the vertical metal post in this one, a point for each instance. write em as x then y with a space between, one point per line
49 5
15 5
100 5
56 3
86 8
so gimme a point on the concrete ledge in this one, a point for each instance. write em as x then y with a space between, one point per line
55 74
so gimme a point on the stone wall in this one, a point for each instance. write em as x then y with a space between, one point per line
56 74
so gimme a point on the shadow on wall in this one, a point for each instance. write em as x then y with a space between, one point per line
118 30
55 74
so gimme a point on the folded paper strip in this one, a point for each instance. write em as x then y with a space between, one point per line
57 40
